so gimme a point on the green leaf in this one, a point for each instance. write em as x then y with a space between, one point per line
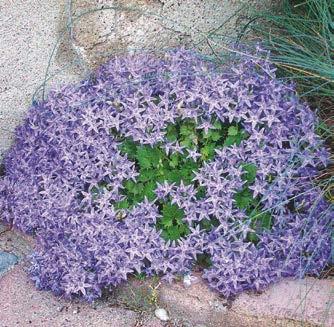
250 172
186 176
244 199
190 165
138 188
171 133
172 222
173 233
140 276
144 163
217 125
129 185
147 156
174 160
206 224
186 130
204 260
215 136
166 222
124 204
230 140
188 141
173 176
129 147
252 237
137 198
148 190
206 135
208 151
146 175
212 135
232 131
270 178
201 191
172 211
260 220
235 139
183 229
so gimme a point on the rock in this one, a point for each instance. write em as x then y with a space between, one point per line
189 280
161 314
288 303
307 301
196 304
7 260
117 26
61 308
16 243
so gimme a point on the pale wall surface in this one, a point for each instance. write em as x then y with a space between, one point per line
28 32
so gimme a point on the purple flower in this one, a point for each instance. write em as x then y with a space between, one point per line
65 174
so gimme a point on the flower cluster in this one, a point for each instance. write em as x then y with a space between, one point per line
250 205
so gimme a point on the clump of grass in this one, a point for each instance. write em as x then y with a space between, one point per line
140 296
300 36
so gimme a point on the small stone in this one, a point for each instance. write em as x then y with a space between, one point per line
161 314
189 280
61 308
76 311
7 260
218 306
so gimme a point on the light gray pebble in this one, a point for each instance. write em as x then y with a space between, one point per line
7 260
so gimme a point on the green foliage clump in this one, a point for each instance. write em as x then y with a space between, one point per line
301 38
155 165
171 223
139 296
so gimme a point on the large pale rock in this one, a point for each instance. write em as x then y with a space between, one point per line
196 304
102 28
288 303
308 300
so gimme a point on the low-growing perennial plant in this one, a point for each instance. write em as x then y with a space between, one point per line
154 162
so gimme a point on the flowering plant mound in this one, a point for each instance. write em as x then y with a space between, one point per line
154 162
